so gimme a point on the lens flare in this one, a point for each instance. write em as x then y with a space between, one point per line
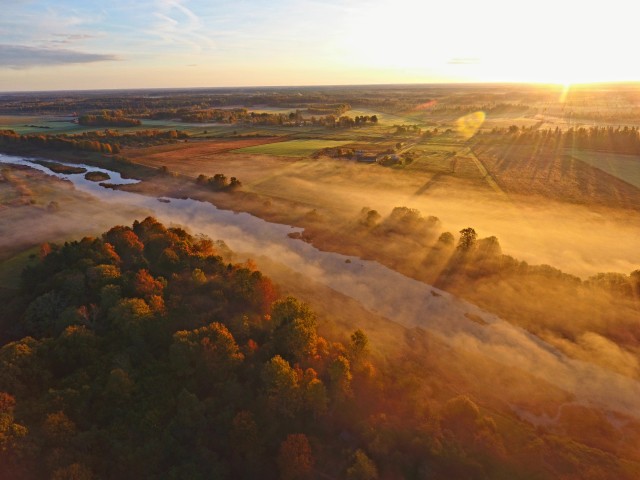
468 125
426 105
565 91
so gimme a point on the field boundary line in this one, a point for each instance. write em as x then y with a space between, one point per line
485 174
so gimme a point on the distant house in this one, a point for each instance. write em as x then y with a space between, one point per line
387 159
362 156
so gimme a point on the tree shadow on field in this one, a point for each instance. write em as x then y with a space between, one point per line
432 181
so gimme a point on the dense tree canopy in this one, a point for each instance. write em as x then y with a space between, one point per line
143 354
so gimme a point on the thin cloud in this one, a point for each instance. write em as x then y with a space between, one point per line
67 39
177 24
73 36
19 56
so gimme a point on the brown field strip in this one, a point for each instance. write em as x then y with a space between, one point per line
209 158
167 154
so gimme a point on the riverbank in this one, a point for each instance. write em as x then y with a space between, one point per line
539 299
442 342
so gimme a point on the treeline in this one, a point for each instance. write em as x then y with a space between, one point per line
407 130
336 109
539 298
391 98
219 182
630 114
108 141
144 346
346 121
482 257
138 138
8 138
114 118
229 116
490 108
244 116
625 140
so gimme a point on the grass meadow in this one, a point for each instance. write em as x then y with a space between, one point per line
292 148
625 167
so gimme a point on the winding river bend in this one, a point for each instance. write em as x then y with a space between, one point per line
379 290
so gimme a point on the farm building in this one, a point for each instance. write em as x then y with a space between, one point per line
367 158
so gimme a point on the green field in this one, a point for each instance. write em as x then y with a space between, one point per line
625 167
292 148
51 125
45 125
264 109
384 118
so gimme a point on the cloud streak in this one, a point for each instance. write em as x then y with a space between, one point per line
20 56
177 24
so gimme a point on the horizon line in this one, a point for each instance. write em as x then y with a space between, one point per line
346 85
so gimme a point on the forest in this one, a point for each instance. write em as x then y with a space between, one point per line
143 354
108 119
464 304
108 141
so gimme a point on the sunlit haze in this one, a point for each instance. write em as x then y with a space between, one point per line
69 44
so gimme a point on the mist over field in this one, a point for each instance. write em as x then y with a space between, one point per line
470 281
398 298
311 240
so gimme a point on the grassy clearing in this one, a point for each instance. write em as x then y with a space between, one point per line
51 125
625 167
504 121
434 162
44 125
384 118
373 147
439 145
282 110
292 148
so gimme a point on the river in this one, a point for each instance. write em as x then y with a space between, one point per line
380 290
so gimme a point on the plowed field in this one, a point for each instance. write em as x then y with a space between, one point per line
522 170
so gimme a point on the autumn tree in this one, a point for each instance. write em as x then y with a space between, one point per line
145 286
340 376
468 237
281 387
314 394
208 354
12 434
358 350
446 239
362 467
247 445
295 329
295 459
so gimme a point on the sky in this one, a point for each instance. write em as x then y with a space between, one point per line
86 44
